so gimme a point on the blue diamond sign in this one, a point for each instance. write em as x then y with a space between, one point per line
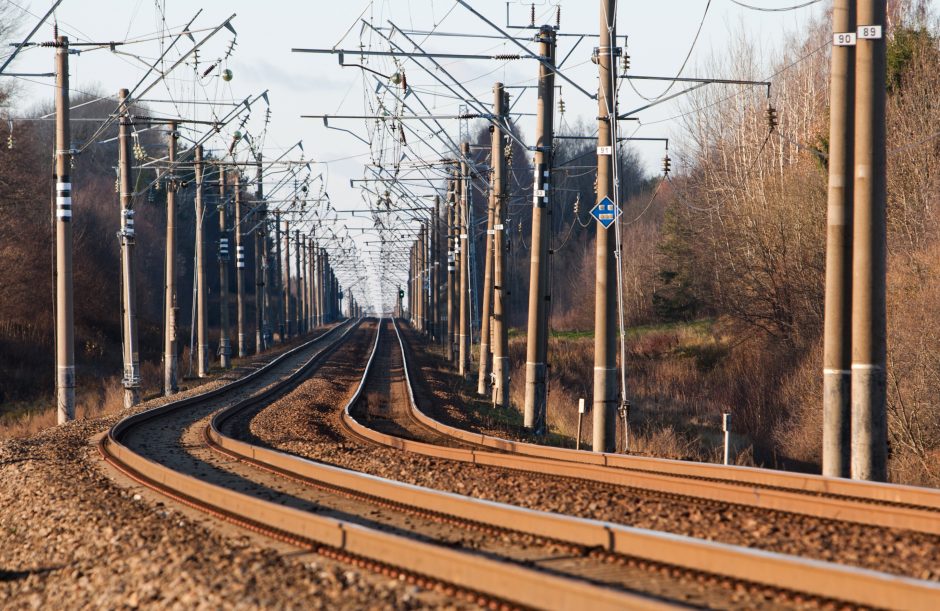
606 212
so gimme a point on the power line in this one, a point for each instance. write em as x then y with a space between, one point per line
751 7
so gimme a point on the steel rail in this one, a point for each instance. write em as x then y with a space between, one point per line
876 504
380 551
817 578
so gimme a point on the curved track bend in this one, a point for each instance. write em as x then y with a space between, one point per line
617 545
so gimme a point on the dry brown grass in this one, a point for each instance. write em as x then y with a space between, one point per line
678 381
106 398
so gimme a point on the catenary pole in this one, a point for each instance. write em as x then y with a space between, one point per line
170 301
451 267
261 264
202 304
321 319
225 348
605 358
239 269
869 417
463 242
837 347
312 275
304 283
64 309
298 280
279 274
536 366
483 370
288 328
411 285
423 278
500 275
433 267
131 379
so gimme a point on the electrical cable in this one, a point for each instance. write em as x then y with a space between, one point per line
752 7
685 62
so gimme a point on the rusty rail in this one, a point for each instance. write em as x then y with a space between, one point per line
872 503
821 579
486 579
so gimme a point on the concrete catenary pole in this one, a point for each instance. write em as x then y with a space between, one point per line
288 327
319 287
451 268
225 346
312 245
131 379
423 277
170 302
279 274
415 300
239 270
605 281
500 276
536 366
321 284
463 231
261 263
837 347
312 275
64 308
483 370
304 283
314 283
411 284
434 304
298 301
202 304
327 313
869 416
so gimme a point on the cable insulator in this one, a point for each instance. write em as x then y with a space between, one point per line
558 17
507 56
208 70
626 62
771 117
532 16
561 106
667 164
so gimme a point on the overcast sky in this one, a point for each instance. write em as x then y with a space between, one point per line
660 35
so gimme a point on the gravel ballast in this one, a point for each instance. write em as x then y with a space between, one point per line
72 535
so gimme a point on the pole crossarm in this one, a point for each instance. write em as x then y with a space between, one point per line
411 54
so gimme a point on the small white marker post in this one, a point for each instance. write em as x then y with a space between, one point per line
577 445
726 427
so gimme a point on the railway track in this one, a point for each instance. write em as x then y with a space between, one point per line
160 449
868 503
789 578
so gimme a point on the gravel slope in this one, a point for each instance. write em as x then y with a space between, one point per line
73 537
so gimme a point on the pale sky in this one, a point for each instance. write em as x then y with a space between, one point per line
660 35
